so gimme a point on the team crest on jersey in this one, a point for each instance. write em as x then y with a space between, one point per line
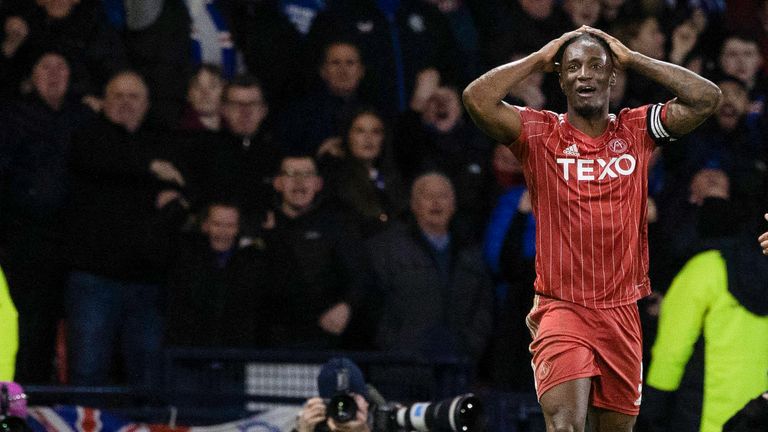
618 146
543 370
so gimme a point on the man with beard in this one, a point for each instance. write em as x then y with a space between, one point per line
587 171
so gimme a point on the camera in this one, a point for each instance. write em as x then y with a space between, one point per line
338 380
341 407
462 413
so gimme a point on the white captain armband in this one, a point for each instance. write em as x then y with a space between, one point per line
656 127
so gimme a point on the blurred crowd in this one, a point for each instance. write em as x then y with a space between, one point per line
301 174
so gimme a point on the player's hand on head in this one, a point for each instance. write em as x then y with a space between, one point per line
310 415
622 56
549 51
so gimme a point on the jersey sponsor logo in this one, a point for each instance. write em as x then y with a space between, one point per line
618 146
598 169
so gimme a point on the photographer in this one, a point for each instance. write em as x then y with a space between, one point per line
338 376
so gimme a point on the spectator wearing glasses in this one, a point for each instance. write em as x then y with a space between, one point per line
238 162
317 259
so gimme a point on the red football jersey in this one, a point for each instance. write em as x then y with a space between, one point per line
589 198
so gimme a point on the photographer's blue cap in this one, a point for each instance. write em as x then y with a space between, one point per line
340 374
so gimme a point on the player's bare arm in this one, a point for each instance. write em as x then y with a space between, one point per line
483 98
697 97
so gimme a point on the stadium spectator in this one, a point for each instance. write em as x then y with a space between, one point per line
272 49
398 39
35 192
317 119
434 135
318 264
123 207
157 39
436 290
360 174
240 160
77 30
204 100
217 286
741 58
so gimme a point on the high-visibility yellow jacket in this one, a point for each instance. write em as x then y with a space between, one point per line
735 340
9 332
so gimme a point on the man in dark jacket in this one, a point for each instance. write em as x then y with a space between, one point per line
33 164
313 122
122 208
318 263
76 29
436 290
398 39
237 163
217 287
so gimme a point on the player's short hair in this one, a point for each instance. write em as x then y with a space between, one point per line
560 52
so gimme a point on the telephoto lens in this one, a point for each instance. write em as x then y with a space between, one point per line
342 408
461 413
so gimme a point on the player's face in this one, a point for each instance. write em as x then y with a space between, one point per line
585 77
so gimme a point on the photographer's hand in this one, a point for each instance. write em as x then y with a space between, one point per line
310 415
359 424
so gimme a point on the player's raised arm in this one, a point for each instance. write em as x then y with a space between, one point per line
483 97
697 97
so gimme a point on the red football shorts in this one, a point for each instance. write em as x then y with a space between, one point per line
572 342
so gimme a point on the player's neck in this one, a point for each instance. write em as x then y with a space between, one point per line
593 125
